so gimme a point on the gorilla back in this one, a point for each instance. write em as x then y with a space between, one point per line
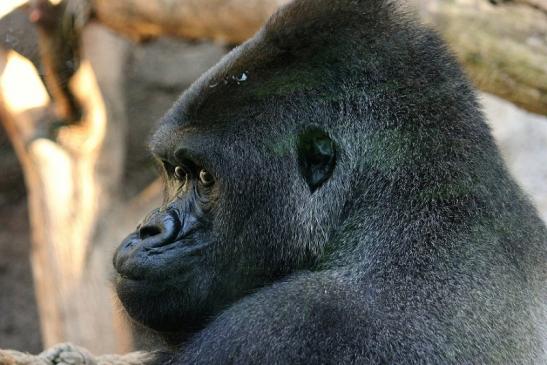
334 196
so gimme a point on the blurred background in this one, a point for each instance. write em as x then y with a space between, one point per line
82 85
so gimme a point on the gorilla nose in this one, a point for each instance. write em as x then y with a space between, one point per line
159 230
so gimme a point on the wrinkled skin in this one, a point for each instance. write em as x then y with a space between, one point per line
334 196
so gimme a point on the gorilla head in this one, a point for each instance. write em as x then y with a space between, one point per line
341 142
256 180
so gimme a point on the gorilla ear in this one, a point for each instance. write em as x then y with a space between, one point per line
317 157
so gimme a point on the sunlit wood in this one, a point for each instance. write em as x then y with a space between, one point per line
24 92
70 191
7 6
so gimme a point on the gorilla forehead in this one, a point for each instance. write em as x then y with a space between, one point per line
298 58
329 64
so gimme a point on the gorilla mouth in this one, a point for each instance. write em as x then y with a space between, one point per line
137 261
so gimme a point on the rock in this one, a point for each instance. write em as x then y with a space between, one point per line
522 139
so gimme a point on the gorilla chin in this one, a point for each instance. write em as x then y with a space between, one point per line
163 307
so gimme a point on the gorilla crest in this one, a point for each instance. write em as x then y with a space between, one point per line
334 196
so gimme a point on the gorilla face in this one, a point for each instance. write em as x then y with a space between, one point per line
245 205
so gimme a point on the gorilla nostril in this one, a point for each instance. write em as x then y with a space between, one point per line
149 231
159 230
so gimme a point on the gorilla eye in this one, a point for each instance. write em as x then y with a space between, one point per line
205 178
181 174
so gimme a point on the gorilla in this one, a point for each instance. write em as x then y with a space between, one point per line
333 196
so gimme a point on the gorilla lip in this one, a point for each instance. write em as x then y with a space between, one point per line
132 261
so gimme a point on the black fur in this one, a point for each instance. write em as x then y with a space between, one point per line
392 234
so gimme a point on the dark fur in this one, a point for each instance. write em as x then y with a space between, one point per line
418 248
